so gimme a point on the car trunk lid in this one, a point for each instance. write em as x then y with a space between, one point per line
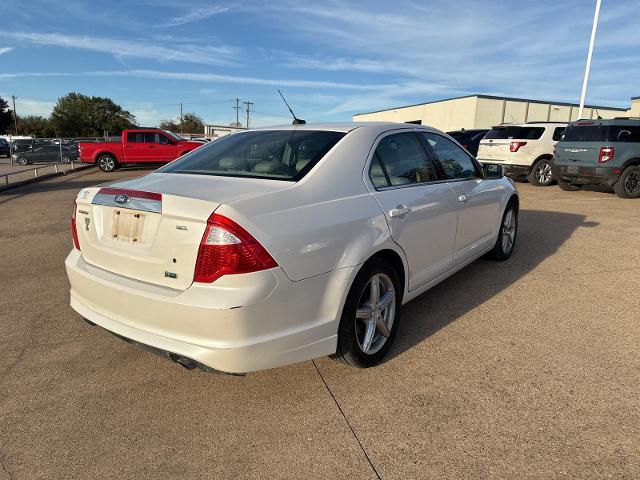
150 229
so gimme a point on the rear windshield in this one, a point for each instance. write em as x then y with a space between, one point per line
602 133
272 154
508 132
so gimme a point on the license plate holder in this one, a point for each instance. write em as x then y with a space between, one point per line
127 226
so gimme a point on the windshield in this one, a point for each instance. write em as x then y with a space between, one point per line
271 154
509 132
173 135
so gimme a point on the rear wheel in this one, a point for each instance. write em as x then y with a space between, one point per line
106 163
628 185
369 319
507 235
568 186
541 175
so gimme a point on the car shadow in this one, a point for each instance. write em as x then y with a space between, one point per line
540 235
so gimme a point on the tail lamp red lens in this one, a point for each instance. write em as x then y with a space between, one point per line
226 249
606 154
515 146
74 230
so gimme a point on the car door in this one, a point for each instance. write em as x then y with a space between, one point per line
135 149
420 209
478 200
158 147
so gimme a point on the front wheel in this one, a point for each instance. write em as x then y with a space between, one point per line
22 161
628 185
107 163
507 235
541 175
369 319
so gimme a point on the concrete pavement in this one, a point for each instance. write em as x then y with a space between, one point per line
522 369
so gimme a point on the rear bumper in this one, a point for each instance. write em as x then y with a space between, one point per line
510 169
240 323
586 175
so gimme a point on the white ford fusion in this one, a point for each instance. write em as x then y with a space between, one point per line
275 246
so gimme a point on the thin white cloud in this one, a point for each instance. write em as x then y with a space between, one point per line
188 53
4 50
195 15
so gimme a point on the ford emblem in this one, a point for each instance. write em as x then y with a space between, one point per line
122 198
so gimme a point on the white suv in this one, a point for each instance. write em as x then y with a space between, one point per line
523 149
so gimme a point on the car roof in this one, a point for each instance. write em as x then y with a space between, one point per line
350 126
608 121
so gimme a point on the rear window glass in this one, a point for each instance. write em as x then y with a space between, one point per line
508 132
602 133
272 154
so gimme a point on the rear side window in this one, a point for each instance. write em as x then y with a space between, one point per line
557 133
270 154
457 163
509 132
400 159
135 137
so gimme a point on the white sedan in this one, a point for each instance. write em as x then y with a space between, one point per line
280 245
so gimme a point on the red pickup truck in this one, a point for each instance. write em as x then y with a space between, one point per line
141 145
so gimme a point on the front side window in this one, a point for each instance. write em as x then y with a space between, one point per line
270 154
456 163
150 137
400 159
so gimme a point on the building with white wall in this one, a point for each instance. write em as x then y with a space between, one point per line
217 131
485 111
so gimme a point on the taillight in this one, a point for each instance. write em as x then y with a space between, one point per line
74 230
226 249
515 146
606 154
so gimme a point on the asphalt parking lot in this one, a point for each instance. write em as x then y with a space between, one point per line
522 369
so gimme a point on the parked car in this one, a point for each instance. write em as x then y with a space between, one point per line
136 146
275 246
525 150
23 145
46 153
600 152
4 148
469 139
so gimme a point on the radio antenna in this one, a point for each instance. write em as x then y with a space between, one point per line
296 120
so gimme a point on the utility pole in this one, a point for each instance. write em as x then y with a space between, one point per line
249 105
15 114
180 118
587 69
237 107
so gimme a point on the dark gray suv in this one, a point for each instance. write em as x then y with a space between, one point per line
600 152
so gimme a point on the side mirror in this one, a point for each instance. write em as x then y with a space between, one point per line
492 171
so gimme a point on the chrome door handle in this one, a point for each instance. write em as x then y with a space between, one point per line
463 199
399 211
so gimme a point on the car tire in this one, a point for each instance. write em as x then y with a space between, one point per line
568 186
541 175
507 235
364 342
628 184
106 163
66 159
22 161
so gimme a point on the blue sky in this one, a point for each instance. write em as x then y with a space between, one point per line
331 58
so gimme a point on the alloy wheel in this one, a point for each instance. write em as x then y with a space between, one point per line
543 173
632 184
375 314
107 164
508 231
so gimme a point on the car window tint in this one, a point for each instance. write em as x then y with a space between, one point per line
135 137
270 154
150 137
163 139
557 133
509 132
456 163
403 160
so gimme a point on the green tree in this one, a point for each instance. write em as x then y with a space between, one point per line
36 126
79 115
6 117
191 123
